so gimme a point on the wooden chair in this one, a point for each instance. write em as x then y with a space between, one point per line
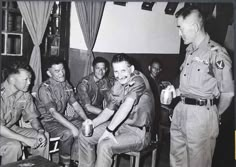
136 155
54 146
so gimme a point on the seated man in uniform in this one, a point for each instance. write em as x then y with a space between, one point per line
17 103
124 125
53 97
92 89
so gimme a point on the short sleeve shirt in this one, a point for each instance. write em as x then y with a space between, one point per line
15 105
91 92
136 89
206 71
53 94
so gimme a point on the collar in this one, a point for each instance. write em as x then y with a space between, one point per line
8 92
131 82
55 83
203 44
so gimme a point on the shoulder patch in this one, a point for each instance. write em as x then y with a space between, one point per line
220 64
46 84
84 82
131 83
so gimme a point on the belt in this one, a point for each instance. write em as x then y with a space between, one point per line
199 102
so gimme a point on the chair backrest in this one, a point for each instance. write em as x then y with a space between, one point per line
54 145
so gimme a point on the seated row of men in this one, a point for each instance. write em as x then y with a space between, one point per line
121 110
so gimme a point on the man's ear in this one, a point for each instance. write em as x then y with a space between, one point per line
196 27
48 73
92 69
11 79
132 68
149 68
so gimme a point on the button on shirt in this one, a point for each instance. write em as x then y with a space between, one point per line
53 94
143 108
206 71
15 105
91 92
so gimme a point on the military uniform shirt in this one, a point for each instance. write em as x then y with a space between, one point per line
206 71
15 105
141 113
53 94
91 92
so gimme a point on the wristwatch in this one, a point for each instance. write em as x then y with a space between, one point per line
41 130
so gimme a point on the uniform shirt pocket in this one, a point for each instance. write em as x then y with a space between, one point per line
198 74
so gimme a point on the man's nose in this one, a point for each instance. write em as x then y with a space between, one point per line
61 73
180 33
28 82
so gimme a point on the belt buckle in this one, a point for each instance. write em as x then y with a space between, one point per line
201 102
183 99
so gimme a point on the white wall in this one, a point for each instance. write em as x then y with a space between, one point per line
130 29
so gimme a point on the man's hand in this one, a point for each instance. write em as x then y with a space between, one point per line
75 132
107 135
42 140
32 142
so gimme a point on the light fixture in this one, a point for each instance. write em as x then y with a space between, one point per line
147 5
120 3
171 7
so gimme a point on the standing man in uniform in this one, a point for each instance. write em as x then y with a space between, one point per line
124 125
53 97
17 103
205 78
155 68
92 89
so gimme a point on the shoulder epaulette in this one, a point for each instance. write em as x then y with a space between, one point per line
85 80
2 90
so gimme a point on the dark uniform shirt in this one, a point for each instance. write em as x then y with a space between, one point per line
143 109
155 87
15 105
206 71
93 93
53 94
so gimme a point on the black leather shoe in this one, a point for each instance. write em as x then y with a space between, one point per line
74 163
63 165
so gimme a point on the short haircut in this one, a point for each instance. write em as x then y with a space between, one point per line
100 60
186 11
121 57
14 68
53 60
156 60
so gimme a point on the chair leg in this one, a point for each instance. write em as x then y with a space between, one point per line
154 154
115 161
50 157
137 160
132 161
23 153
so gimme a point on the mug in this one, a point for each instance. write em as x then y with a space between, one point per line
87 128
166 96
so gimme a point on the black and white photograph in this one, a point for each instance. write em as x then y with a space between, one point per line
91 83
